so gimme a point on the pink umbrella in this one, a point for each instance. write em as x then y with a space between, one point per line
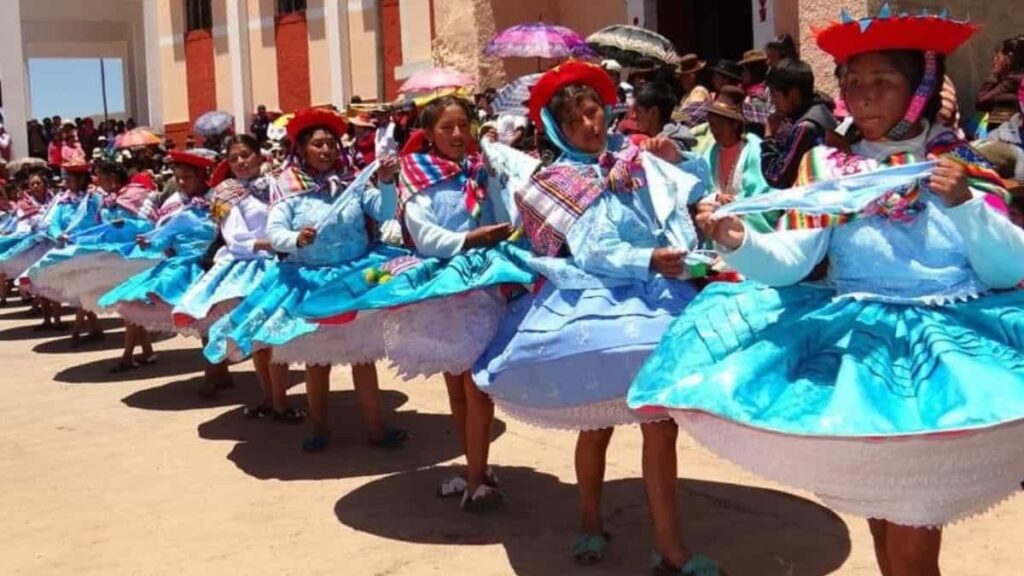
436 79
538 40
137 137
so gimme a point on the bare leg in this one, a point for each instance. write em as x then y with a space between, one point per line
44 307
660 476
217 375
879 528
94 324
591 449
913 551
55 312
131 337
364 377
279 382
318 385
261 360
479 422
76 328
4 289
146 341
457 402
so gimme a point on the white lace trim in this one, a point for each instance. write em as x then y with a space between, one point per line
914 481
359 342
201 327
443 335
589 417
154 317
48 293
89 275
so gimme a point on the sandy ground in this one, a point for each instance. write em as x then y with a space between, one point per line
135 474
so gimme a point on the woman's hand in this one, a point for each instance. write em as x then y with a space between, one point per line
388 169
306 237
727 231
262 246
142 241
486 236
170 252
949 182
663 148
119 223
668 262
62 240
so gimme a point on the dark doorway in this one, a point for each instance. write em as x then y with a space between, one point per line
712 30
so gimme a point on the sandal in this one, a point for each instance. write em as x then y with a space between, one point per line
456 485
590 549
288 416
314 444
484 499
121 368
148 360
697 565
393 438
257 411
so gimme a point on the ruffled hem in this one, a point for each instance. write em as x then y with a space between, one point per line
359 342
155 316
441 336
89 274
930 481
200 327
580 418
27 287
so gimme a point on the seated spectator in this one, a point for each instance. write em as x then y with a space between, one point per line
791 84
653 108
998 93
780 48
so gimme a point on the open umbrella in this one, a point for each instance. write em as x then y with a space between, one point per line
538 40
213 123
137 137
15 166
512 97
436 79
632 45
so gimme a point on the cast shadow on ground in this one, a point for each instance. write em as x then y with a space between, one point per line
184 394
113 340
750 531
270 450
169 363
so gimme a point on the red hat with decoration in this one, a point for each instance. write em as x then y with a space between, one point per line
322 117
567 74
193 158
924 32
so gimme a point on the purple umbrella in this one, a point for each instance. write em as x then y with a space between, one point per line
538 40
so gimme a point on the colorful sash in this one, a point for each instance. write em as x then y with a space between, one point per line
421 171
135 198
28 206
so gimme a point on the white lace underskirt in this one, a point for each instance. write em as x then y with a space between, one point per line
47 293
89 277
589 417
442 335
201 327
16 266
358 342
913 481
154 317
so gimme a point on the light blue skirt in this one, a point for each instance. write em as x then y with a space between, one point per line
268 318
910 413
148 298
566 358
219 290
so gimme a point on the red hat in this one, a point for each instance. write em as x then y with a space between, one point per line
220 173
76 167
191 158
571 72
924 32
321 117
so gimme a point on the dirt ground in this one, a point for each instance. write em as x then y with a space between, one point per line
136 474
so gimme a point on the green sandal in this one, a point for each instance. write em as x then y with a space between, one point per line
590 549
697 565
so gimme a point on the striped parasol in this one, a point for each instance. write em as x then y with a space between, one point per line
632 45
512 97
538 40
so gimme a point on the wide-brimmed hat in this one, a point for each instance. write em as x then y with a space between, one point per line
728 68
318 117
572 72
924 32
363 119
690 64
729 104
753 57
196 158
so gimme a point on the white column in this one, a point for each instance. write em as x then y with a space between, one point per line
14 73
154 69
336 23
241 71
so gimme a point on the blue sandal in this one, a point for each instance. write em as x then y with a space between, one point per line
697 565
590 549
391 439
313 444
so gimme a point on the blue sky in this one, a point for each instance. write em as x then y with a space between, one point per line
71 87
